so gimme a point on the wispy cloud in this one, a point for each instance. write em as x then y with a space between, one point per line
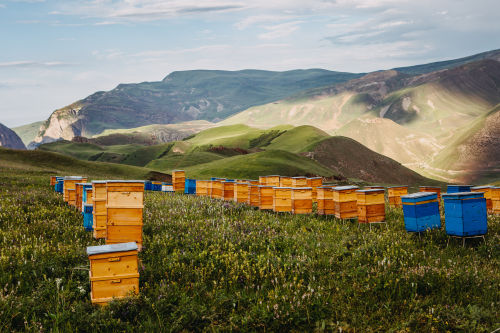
29 63
280 30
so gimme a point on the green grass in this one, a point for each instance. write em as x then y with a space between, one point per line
217 266
296 140
144 155
28 132
177 161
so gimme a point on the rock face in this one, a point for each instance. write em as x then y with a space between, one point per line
9 139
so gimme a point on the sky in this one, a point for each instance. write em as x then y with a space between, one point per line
54 53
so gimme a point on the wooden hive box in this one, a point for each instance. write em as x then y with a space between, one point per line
488 191
254 195
202 188
83 198
241 194
314 182
253 182
266 197
345 201
394 194
69 183
282 199
78 196
216 192
495 200
53 180
87 216
302 200
88 196
421 211
465 214
326 205
178 180
262 180
190 186
114 271
371 205
228 190
72 197
100 213
458 188
435 189
299 181
285 181
124 205
273 180
59 187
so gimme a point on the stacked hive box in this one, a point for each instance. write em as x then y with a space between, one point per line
88 195
435 189
265 197
253 182
78 196
178 180
202 188
326 205
421 211
371 205
165 187
302 200
272 180
285 181
495 200
345 201
465 214
114 271
124 203
100 212
53 180
69 187
156 186
253 195
82 196
228 190
59 185
458 188
299 182
314 183
216 190
282 199
148 185
241 192
87 216
190 186
394 193
488 191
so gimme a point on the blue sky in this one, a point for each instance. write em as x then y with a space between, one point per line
56 52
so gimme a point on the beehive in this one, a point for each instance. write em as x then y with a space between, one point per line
253 182
262 180
78 196
345 201
53 180
299 182
421 211
202 188
272 180
435 189
190 186
282 199
71 197
178 180
87 216
314 183
124 206
302 200
495 200
83 199
253 195
394 194
88 195
285 181
371 205
325 200
69 184
488 191
265 197
156 186
465 213
216 190
228 190
59 185
100 212
148 185
165 187
114 271
458 188
241 194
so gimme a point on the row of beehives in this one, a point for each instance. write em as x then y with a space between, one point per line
113 210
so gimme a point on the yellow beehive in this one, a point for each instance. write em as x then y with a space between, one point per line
488 191
282 199
216 192
179 180
325 200
253 182
371 205
202 188
228 190
285 181
262 180
78 196
302 200
495 200
241 192
435 189
89 196
114 271
394 194
345 201
72 197
124 206
314 183
69 184
253 195
99 210
265 197
299 181
53 180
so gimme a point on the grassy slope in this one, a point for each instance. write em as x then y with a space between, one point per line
143 155
297 139
28 132
177 161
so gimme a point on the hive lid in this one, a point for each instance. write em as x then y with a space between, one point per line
125 181
110 248
271 186
462 195
315 178
84 184
301 188
327 186
87 205
299 177
371 190
99 182
419 195
72 178
348 187
481 187
283 187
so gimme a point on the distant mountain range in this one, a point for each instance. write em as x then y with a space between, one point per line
9 138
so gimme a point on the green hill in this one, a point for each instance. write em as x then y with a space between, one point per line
28 132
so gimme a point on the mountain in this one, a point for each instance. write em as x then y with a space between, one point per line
28 132
9 138
181 96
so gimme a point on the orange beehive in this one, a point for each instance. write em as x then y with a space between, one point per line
216 192
69 184
394 194
299 181
345 201
262 180
114 271
435 189
253 195
89 196
488 191
314 183
285 181
265 197
178 180
302 200
272 180
325 200
228 190
53 180
371 205
72 197
78 196
202 188
241 192
495 200
253 182
124 206
99 210
282 199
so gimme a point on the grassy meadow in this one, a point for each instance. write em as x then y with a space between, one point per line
209 265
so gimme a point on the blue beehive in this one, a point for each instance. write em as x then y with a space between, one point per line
87 216
190 186
421 211
147 185
59 184
465 213
458 188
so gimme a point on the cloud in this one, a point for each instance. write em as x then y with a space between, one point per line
29 63
280 30
255 19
